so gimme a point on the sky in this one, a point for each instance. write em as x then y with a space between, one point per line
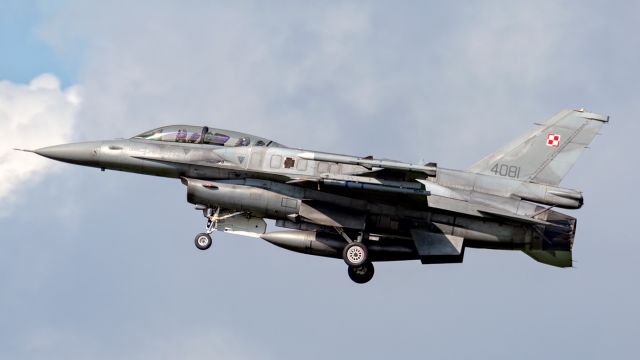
101 265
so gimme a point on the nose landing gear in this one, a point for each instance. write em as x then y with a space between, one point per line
203 240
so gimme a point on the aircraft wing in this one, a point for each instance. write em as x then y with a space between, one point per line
379 189
359 187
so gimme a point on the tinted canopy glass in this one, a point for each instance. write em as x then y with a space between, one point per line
203 135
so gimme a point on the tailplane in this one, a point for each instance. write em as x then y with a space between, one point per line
553 244
557 258
546 154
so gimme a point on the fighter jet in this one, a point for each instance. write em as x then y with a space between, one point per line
363 209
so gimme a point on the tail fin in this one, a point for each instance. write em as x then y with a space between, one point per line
546 154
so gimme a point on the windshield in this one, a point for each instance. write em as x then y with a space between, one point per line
203 135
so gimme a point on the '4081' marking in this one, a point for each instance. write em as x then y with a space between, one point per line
506 170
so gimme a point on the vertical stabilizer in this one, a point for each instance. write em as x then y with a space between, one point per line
546 154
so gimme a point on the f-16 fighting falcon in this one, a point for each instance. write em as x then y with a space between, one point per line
363 209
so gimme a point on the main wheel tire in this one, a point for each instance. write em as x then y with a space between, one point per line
355 254
203 241
361 274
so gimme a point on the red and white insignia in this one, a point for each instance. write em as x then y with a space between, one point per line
553 140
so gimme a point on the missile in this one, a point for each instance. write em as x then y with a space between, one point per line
374 187
369 162
555 196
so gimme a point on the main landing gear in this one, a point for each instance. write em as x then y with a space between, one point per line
356 256
360 268
203 240
361 274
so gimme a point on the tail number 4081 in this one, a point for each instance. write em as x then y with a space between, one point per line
506 170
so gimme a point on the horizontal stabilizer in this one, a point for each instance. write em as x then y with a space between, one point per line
517 218
558 258
465 207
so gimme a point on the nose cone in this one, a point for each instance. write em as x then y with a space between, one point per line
85 153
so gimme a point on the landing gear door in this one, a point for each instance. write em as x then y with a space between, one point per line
243 225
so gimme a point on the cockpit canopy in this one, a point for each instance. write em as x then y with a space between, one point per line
204 135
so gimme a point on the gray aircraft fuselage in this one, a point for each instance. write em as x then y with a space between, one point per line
359 208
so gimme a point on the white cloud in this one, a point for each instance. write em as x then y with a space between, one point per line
32 116
361 77
278 72
349 77
499 66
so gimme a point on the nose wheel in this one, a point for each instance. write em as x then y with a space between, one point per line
361 274
203 241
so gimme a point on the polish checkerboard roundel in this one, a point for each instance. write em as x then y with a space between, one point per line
553 140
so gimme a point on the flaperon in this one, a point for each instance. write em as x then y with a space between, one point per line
364 209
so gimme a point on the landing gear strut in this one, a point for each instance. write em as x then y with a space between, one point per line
203 240
361 274
355 255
